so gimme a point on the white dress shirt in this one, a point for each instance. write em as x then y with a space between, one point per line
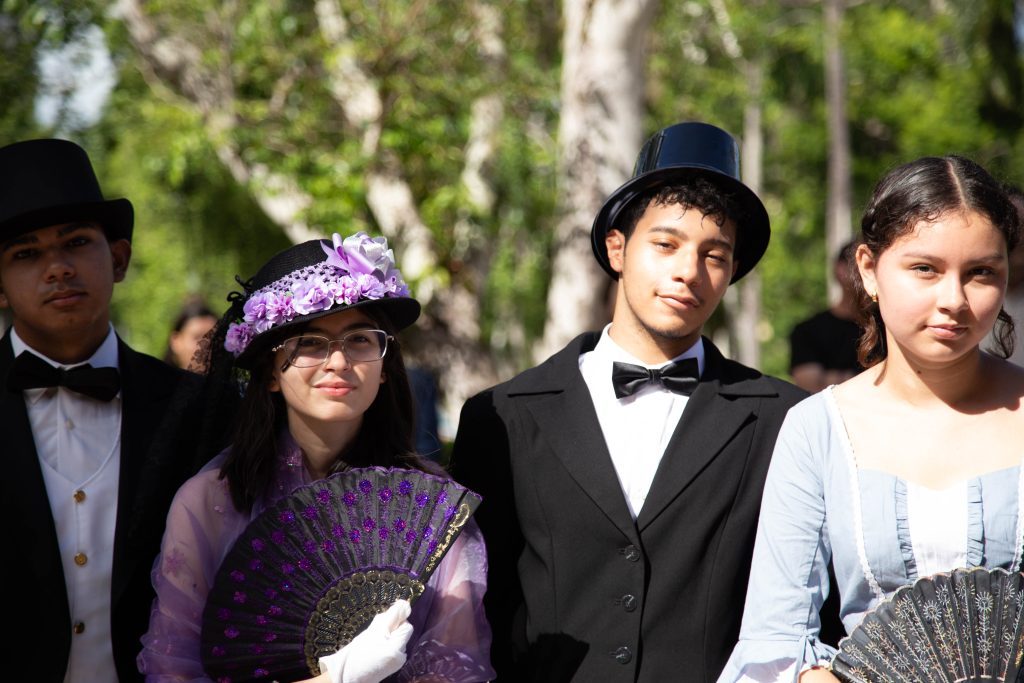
78 442
636 428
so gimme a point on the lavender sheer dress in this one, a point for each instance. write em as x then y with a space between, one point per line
451 639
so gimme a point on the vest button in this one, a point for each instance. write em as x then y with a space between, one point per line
79 496
623 655
81 559
631 553
79 627
629 602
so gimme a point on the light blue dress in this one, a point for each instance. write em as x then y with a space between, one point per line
817 505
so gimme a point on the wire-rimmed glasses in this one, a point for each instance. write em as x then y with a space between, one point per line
358 346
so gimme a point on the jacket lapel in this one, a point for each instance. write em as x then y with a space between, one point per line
143 400
564 413
722 404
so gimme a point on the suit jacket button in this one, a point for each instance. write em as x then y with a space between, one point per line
79 627
631 553
623 655
629 602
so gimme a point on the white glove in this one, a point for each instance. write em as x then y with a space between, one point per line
374 654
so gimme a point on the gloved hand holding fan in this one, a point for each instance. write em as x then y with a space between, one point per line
312 572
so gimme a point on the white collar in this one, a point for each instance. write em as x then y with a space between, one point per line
610 352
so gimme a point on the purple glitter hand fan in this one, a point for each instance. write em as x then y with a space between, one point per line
308 574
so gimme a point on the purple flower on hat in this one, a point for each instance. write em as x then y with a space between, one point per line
442 496
311 296
254 310
323 496
287 516
261 620
327 546
370 287
258 545
399 524
223 613
231 632
405 487
369 524
309 512
338 531
305 565
365 486
353 535
345 290
274 611
240 597
428 531
350 498
383 533
256 565
237 576
218 651
277 536
309 545
384 494
422 498
238 337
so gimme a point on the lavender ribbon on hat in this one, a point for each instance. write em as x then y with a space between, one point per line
357 268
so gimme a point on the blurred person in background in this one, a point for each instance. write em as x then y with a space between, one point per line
823 348
193 322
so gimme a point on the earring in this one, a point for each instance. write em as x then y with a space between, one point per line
874 297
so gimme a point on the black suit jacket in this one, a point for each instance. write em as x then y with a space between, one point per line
576 589
157 455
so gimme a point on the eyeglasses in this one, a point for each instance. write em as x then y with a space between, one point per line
358 346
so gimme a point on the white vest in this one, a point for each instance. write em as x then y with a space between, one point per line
85 514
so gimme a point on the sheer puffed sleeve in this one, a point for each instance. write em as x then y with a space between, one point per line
789 570
452 640
201 526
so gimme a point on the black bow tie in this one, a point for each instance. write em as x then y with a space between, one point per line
680 377
29 371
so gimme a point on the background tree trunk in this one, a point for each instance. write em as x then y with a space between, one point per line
600 132
838 227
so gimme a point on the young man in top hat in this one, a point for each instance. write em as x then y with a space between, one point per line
622 477
91 460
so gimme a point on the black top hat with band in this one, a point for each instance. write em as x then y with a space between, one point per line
50 182
674 154
314 279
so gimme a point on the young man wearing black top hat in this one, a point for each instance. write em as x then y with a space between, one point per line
91 460
622 477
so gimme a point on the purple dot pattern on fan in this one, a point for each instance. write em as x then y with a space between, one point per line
310 572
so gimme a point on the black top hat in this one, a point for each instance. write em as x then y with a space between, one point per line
288 276
674 154
49 182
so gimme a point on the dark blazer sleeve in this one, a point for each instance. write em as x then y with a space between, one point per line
480 461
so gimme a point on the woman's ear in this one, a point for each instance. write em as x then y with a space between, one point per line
866 264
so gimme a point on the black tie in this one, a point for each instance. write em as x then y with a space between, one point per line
29 371
679 377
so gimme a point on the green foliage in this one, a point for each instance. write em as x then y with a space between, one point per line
918 83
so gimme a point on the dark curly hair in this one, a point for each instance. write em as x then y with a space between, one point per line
924 190
696 193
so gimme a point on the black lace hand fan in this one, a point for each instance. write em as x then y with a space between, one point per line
308 574
962 626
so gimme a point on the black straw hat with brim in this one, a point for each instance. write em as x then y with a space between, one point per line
51 182
674 155
312 280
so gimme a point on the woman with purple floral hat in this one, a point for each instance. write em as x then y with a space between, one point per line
326 390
